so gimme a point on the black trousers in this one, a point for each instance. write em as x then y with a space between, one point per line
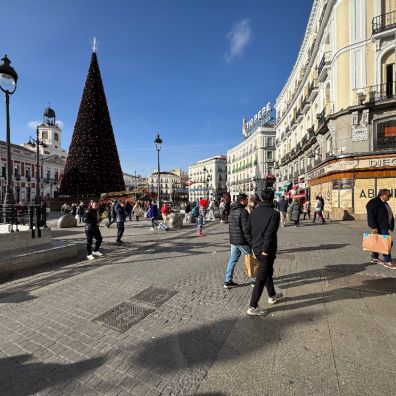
120 230
263 278
91 233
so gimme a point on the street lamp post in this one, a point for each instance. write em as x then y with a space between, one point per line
158 142
8 84
37 143
205 171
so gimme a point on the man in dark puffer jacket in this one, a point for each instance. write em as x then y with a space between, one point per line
240 237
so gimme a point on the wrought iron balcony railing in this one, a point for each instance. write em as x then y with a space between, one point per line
384 22
381 92
325 61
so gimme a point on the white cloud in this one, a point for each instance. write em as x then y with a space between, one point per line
239 37
60 124
33 124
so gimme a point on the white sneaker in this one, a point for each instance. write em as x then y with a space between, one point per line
275 299
98 254
90 257
151 228
256 311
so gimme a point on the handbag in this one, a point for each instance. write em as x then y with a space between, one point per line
377 243
251 265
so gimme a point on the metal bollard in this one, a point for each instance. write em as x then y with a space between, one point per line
38 222
31 221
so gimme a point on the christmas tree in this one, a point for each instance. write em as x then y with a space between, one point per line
92 165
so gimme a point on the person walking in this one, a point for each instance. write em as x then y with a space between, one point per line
240 237
128 210
318 209
381 220
187 213
120 217
307 209
137 211
152 214
283 205
91 220
165 210
227 208
222 209
80 211
202 204
295 208
211 208
264 225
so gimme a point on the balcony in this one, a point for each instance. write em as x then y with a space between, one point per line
299 116
309 167
282 136
305 106
313 90
324 66
384 24
381 92
321 117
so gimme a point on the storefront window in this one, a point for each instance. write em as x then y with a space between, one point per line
386 135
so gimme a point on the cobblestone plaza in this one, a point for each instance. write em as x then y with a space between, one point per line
152 318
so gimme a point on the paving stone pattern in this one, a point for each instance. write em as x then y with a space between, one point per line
334 333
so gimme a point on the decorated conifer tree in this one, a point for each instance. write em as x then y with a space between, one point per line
92 165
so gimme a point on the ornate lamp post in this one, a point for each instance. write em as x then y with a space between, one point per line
8 84
37 143
158 142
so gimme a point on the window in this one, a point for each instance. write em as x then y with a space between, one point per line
44 135
4 172
27 172
56 176
269 155
48 175
16 171
386 135
269 142
56 137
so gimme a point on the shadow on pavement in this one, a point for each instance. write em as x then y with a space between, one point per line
199 347
21 296
329 246
20 377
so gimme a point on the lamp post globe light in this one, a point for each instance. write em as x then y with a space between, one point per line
158 143
8 84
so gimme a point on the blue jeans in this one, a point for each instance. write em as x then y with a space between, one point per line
236 251
387 257
200 221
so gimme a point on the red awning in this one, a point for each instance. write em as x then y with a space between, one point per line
300 195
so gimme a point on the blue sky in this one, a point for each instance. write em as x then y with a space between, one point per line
189 70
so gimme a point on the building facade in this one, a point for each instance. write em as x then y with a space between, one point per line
250 164
208 178
336 115
171 185
52 159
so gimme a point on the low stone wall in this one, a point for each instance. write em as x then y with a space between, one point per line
23 239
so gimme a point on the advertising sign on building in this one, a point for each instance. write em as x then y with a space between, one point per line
262 118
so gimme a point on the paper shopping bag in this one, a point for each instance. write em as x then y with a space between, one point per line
377 243
251 264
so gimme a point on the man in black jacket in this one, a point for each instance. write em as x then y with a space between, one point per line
381 220
120 217
240 237
264 224
91 220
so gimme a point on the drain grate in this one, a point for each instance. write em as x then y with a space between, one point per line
155 296
123 316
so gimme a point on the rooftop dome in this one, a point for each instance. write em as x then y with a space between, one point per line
49 113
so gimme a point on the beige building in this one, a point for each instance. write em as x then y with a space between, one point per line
336 115
172 185
250 164
208 177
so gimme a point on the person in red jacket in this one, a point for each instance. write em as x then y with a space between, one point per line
165 210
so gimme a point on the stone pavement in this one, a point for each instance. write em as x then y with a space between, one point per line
152 318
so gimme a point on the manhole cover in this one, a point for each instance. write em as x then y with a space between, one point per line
123 316
155 296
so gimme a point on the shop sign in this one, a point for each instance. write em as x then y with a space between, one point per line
359 135
262 118
352 164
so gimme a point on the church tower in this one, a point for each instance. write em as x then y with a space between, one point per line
50 133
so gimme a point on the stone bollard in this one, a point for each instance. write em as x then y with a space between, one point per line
67 221
175 220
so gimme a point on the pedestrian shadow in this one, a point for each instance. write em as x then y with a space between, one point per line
19 375
370 288
17 297
329 272
199 347
328 246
